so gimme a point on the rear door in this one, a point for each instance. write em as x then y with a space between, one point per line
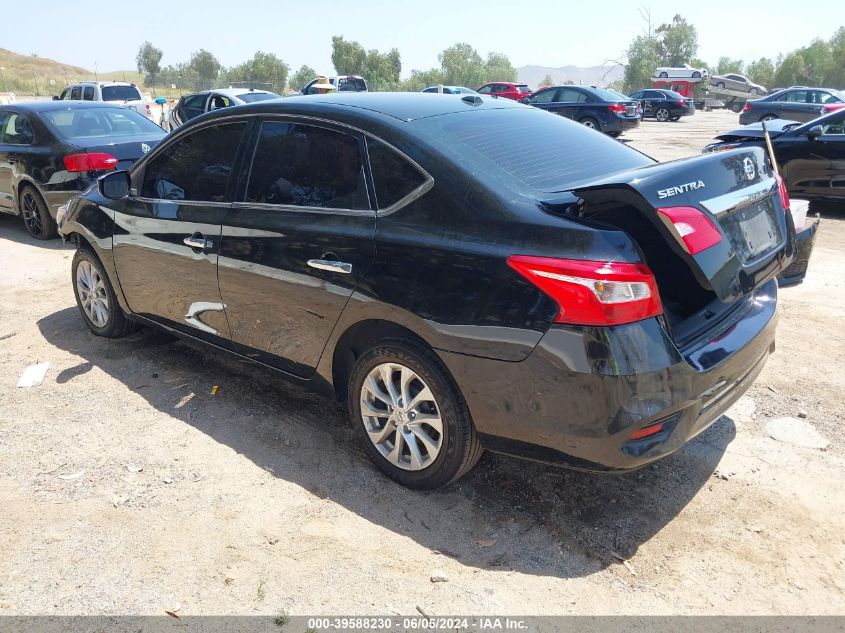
189 107
297 243
167 233
16 140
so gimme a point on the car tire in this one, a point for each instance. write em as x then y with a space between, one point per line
589 122
96 299
662 114
696 75
35 214
769 117
752 91
721 85
430 454
664 75
614 134
675 118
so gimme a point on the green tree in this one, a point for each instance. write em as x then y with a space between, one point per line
836 73
348 58
381 70
727 65
498 68
462 66
677 42
547 81
790 71
205 65
301 77
643 58
148 60
263 69
762 72
421 79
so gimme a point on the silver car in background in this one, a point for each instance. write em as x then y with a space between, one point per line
740 83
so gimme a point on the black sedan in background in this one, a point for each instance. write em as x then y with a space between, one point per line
51 151
603 110
663 105
463 272
796 104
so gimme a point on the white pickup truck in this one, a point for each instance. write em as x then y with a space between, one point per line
117 91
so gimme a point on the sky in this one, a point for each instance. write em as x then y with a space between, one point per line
541 32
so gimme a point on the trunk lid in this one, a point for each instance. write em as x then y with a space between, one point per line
736 190
775 127
127 149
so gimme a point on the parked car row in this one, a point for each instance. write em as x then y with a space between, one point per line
347 255
798 103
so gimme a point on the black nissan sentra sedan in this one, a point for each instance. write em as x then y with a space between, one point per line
51 151
464 272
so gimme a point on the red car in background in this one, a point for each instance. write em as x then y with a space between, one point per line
506 89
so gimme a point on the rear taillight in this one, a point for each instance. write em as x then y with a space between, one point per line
696 230
593 293
616 107
746 107
682 103
784 194
95 161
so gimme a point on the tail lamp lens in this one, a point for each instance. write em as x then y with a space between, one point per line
616 107
593 293
95 161
784 194
696 230
746 107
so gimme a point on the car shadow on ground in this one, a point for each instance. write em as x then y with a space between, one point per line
506 514
12 228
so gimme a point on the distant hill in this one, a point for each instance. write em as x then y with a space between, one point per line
21 72
594 75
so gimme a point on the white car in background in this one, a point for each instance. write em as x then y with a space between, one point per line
679 72
121 92
197 103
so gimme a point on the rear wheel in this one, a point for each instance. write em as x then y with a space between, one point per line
664 75
410 416
675 118
662 114
96 299
614 134
769 117
36 217
752 91
696 75
590 123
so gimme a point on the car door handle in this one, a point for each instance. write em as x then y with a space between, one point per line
333 266
198 241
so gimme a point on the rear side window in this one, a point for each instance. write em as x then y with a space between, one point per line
15 130
197 167
544 96
546 153
253 97
76 93
88 93
394 177
307 166
121 93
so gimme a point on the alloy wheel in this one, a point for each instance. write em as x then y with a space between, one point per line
662 114
31 214
401 416
589 123
92 294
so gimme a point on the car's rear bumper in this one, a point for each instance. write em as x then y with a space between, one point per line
577 399
620 124
804 241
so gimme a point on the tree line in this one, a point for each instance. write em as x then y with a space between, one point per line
460 65
821 63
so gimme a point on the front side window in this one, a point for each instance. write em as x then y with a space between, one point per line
394 177
307 166
88 93
836 125
76 93
196 102
196 167
485 90
796 96
16 130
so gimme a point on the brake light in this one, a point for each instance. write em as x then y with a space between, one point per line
681 102
746 107
616 107
95 161
593 293
696 230
784 194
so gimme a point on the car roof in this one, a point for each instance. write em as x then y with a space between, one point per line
403 106
52 106
231 92
101 83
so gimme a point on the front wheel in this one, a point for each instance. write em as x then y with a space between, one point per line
753 91
696 75
662 114
664 75
96 299
410 416
768 117
721 85
675 118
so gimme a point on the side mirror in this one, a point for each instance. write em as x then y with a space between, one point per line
814 132
525 100
115 185
56 98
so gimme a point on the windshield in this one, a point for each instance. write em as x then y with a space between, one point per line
351 84
79 123
546 153
253 97
121 93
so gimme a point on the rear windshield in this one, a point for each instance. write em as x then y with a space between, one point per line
673 95
79 123
523 89
544 151
121 93
351 84
607 95
252 97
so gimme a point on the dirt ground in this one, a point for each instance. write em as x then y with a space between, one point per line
126 487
